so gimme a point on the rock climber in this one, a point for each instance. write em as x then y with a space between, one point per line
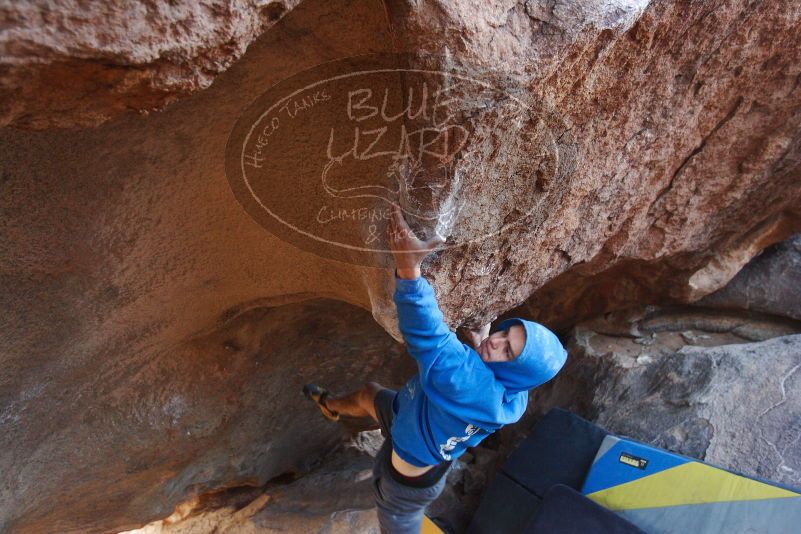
459 396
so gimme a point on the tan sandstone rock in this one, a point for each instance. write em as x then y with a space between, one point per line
126 258
66 63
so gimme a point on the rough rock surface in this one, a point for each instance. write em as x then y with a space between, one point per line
770 283
144 433
65 63
686 119
333 498
734 405
124 251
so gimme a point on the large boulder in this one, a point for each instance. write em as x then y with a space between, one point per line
682 115
124 248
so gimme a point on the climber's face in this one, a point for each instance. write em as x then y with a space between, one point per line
503 345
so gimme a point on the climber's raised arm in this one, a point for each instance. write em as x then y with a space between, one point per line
419 317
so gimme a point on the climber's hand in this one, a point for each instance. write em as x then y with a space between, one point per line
407 249
477 335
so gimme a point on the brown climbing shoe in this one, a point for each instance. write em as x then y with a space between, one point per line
317 394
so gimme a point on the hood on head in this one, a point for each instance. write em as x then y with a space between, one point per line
542 357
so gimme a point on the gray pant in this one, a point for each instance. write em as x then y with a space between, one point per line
400 506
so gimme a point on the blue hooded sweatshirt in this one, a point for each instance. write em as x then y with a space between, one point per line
456 400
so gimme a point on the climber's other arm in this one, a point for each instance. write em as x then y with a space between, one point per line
476 335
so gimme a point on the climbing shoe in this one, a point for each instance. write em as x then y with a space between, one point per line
316 394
